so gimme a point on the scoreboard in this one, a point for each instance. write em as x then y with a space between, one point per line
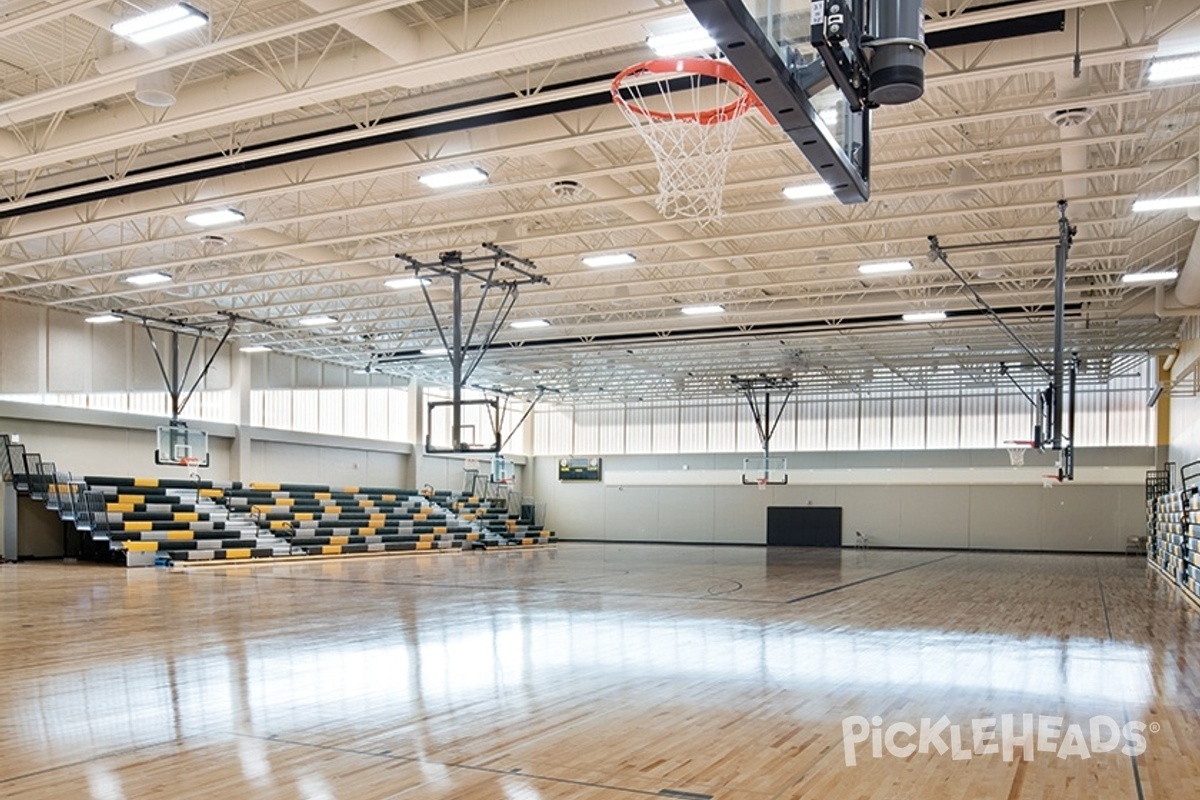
579 469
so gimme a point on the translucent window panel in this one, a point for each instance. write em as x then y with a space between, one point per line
329 411
305 410
354 413
1091 419
722 428
152 403
664 429
748 440
257 397
784 440
876 427
378 414
812 425
587 431
277 408
400 425
693 428
978 415
639 430
110 401
511 431
843 424
1129 419
943 423
553 431
612 430
908 423
1015 418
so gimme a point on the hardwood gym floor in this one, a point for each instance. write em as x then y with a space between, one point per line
592 671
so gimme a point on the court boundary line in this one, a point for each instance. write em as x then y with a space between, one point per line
868 580
1137 774
449 764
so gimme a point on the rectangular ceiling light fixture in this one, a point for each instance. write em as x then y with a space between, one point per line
1169 69
530 323
609 259
456 177
808 191
102 319
693 311
924 316
1161 276
255 348
688 41
407 283
434 351
884 267
220 216
1166 203
161 23
148 278
317 320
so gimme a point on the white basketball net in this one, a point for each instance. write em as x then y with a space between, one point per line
1016 454
692 157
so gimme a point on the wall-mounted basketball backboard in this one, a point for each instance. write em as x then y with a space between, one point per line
807 61
179 446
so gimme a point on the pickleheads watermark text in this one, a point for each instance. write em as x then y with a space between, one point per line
1033 733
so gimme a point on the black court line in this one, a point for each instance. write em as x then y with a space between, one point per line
1137 775
838 588
123 751
456 765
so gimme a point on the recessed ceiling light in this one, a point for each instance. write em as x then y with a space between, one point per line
148 278
1161 276
1166 203
530 323
1168 69
693 311
884 267
807 191
455 177
255 348
434 351
317 320
102 319
609 259
220 216
688 41
407 283
924 316
161 23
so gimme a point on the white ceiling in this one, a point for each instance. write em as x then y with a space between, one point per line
316 118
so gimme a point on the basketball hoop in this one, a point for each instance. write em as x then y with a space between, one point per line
762 484
189 461
689 128
1051 480
1016 451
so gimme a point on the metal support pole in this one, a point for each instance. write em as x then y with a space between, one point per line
1068 459
1060 301
174 387
766 435
456 363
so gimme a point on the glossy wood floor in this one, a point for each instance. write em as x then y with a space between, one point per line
588 671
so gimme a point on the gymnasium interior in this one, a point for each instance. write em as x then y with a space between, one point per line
531 400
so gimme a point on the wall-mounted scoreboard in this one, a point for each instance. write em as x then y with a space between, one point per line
579 469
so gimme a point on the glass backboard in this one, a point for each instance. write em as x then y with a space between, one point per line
770 44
